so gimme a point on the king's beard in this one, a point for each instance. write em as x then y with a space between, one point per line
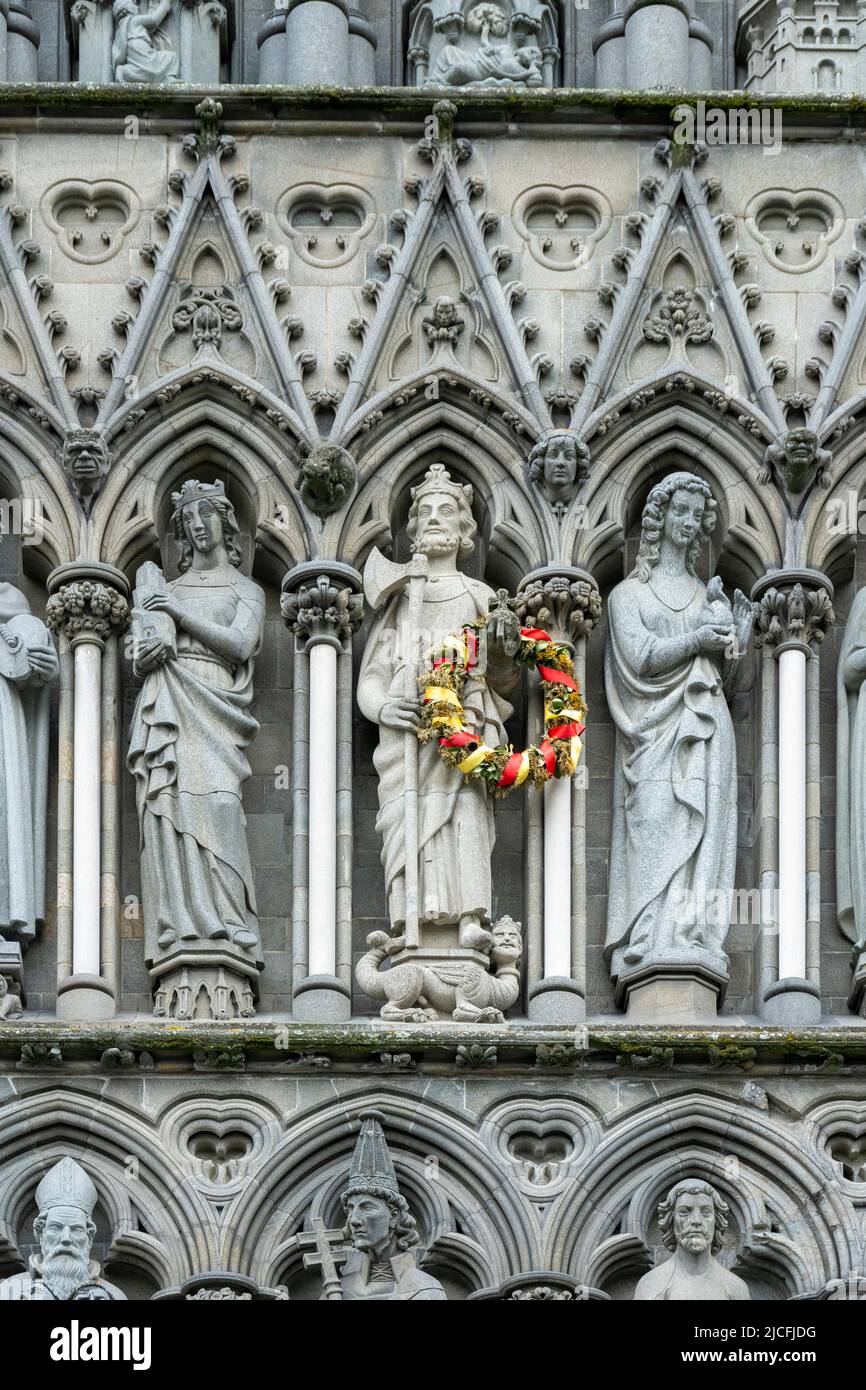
64 1274
438 545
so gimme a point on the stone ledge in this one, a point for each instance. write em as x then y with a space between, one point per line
48 1048
30 100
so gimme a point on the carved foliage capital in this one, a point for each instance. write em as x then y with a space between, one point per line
565 607
793 614
323 610
87 609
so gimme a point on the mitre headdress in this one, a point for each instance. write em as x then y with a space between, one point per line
371 1168
66 1185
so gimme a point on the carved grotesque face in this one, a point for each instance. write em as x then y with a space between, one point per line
444 311
529 56
371 1221
203 526
86 462
560 463
800 448
683 518
694 1221
439 524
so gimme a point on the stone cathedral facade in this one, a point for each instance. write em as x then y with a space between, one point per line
432 818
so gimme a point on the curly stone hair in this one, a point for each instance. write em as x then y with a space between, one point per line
693 1187
406 1229
653 521
535 462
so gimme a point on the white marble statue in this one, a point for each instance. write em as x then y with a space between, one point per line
135 53
455 820
190 729
28 662
672 645
64 1228
693 1219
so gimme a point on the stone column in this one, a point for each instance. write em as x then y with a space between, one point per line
271 41
23 44
362 51
4 39
795 610
322 604
657 44
566 603
93 22
88 607
317 43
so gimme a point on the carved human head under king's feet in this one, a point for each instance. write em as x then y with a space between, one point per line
507 941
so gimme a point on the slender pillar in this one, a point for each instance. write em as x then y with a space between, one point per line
795 610
322 605
317 43
88 606
564 602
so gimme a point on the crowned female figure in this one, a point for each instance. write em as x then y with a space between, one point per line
190 729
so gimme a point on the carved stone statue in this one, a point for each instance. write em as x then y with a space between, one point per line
381 1262
693 1219
63 1270
673 645
28 663
462 63
455 819
326 479
442 328
10 1004
797 457
86 461
135 53
851 777
558 463
462 990
190 729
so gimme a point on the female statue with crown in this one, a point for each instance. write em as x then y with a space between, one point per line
189 731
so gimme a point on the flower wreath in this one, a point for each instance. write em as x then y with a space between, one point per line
502 769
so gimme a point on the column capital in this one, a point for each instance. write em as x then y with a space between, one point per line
88 602
795 609
322 601
562 599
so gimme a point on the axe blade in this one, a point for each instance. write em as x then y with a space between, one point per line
383 577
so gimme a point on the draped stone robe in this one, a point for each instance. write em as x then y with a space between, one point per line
189 731
673 840
455 820
851 775
24 713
